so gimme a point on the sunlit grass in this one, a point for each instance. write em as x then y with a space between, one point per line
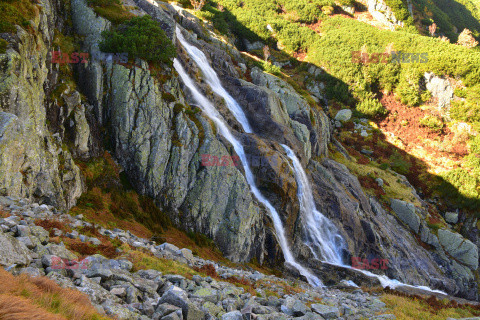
405 308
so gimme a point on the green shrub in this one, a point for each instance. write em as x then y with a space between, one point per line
461 93
432 122
451 14
271 68
399 9
140 37
461 187
408 89
200 239
399 164
468 111
472 163
371 107
475 144
349 3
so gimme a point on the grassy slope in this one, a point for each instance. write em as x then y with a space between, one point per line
448 15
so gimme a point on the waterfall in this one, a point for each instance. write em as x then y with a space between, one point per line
208 108
322 236
213 81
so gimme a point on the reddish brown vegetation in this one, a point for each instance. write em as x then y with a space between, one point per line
208 269
23 297
49 225
300 55
241 281
413 133
369 183
86 249
18 308
3 214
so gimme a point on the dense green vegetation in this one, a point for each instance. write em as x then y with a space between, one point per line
340 37
140 37
289 26
450 15
371 107
16 12
432 122
399 8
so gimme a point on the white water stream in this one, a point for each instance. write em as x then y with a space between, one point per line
208 108
322 235
213 81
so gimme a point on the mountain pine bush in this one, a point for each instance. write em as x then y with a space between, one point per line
140 37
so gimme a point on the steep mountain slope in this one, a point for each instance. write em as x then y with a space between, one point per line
57 119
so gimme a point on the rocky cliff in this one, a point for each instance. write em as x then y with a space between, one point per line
158 136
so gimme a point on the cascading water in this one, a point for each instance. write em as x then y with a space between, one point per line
322 236
213 114
214 82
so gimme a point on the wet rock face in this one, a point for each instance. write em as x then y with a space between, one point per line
371 232
167 164
460 248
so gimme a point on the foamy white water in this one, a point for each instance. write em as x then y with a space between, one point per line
208 108
322 236
392 283
213 81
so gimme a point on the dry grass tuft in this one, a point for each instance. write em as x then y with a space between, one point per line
414 307
16 308
24 297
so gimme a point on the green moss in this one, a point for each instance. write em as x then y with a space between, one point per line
167 96
16 12
112 10
198 123
178 108
3 46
